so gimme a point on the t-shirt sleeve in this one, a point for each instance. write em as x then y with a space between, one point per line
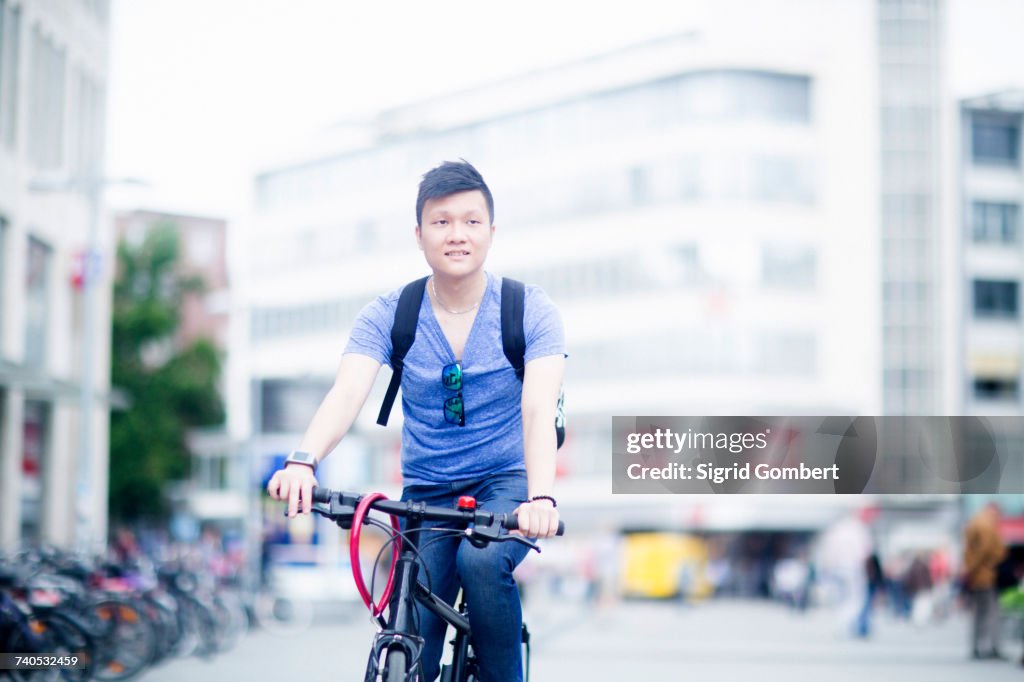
371 332
542 324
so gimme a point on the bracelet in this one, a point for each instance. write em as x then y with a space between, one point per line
544 497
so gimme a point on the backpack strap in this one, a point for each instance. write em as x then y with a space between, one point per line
513 336
403 333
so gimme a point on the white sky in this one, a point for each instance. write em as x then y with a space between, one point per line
202 92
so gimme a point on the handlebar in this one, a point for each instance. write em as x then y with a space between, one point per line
340 507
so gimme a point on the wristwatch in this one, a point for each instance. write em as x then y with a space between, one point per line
301 457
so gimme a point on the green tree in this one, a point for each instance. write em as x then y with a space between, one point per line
168 389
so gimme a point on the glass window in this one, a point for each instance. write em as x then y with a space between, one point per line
35 447
10 41
995 138
987 388
3 271
640 184
46 139
288 404
995 222
786 353
783 179
745 94
790 266
37 294
995 298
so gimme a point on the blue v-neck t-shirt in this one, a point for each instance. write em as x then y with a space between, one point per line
433 450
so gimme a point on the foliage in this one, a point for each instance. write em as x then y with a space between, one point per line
1012 600
169 389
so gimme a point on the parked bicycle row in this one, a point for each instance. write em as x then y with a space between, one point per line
115 618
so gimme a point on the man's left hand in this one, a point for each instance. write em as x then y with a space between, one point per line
538 519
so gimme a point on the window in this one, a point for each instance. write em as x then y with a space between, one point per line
987 388
995 138
87 134
10 41
287 404
788 266
995 223
745 94
786 353
37 294
640 184
3 279
34 463
46 133
995 299
783 179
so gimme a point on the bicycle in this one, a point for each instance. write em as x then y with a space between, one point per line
397 646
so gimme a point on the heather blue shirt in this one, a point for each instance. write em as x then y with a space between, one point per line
434 451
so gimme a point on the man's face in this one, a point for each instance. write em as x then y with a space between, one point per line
455 233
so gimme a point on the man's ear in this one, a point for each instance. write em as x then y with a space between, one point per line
419 235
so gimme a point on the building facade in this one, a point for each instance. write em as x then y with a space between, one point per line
992 261
704 209
55 273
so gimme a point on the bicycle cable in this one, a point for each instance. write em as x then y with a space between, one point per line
443 533
407 536
394 536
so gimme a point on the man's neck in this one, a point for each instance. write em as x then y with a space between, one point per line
460 293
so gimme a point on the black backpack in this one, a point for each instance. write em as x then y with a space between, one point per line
513 340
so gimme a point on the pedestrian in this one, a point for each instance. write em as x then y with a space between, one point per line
983 552
843 555
473 424
917 585
874 582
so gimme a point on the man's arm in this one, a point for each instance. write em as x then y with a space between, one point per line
332 420
541 384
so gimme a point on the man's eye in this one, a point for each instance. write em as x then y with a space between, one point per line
440 222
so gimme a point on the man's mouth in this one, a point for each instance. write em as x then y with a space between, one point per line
456 253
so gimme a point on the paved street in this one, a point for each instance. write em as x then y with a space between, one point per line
645 641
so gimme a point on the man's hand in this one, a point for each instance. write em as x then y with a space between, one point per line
295 483
537 519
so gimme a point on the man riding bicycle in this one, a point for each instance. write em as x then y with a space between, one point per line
471 427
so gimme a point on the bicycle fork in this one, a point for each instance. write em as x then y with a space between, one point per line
400 631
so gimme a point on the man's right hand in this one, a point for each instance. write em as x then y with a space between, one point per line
295 483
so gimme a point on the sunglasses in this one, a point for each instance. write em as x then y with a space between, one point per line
454 410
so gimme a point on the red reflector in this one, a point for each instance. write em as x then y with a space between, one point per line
467 502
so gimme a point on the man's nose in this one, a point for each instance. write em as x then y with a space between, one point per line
456 231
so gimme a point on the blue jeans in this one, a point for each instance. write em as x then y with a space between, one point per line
485 575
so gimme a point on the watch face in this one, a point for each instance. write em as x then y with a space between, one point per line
302 458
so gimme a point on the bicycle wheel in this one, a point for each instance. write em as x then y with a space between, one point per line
127 639
37 639
71 638
394 666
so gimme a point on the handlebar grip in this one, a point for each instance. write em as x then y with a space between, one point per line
322 494
511 522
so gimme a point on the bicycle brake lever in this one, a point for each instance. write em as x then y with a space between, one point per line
522 540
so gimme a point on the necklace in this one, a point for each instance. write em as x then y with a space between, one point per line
446 308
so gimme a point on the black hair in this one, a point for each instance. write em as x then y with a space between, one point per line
450 178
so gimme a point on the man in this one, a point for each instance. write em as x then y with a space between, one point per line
470 426
983 552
